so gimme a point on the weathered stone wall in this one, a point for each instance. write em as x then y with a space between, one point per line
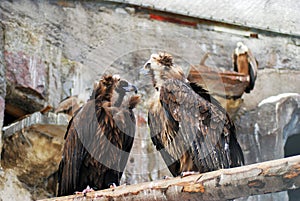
263 132
2 86
32 149
51 50
111 38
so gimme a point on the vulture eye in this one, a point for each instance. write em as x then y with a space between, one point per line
147 66
123 83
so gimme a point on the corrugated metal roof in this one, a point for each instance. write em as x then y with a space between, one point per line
280 16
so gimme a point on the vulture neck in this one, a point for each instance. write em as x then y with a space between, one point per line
155 103
117 99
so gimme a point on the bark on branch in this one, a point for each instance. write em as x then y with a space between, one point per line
255 179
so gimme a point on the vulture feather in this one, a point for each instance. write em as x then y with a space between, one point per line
99 138
244 62
188 127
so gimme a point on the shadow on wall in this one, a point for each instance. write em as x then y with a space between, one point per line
292 148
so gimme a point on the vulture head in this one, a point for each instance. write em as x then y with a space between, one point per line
112 88
160 67
241 48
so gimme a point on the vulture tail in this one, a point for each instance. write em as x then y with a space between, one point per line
236 153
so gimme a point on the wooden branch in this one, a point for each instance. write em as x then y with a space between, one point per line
255 179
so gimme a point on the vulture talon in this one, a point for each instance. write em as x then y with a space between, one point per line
188 173
112 185
85 191
166 177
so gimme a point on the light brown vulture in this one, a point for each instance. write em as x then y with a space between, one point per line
188 127
99 138
69 105
244 62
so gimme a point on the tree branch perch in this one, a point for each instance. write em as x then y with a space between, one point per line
260 178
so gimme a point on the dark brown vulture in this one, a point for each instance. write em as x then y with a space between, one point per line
244 62
188 127
99 138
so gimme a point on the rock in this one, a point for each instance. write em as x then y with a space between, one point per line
121 11
271 82
25 68
11 188
2 67
32 148
277 119
2 106
264 131
25 72
74 43
32 61
2 88
130 10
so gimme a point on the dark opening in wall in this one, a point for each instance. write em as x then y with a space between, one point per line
21 101
12 114
292 148
8 119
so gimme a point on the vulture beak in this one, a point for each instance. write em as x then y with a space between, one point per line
146 68
144 71
130 88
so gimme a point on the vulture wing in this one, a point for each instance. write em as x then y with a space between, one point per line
74 153
234 59
156 128
253 66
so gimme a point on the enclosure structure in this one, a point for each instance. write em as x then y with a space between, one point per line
55 49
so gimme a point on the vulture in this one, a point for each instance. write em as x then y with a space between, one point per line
244 62
190 129
99 138
69 105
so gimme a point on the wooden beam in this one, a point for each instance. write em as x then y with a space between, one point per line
261 178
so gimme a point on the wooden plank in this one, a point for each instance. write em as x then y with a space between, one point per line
261 178
222 83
